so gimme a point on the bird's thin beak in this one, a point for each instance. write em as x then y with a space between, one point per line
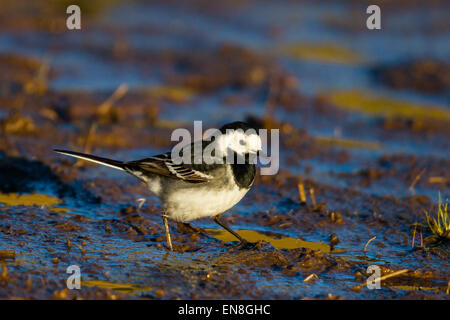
262 155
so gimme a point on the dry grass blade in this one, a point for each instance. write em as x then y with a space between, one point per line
313 198
311 277
4 274
105 107
385 277
104 112
141 202
301 193
88 143
416 179
370 240
437 180
7 254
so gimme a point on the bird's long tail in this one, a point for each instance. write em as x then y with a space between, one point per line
104 161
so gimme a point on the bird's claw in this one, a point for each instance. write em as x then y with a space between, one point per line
245 245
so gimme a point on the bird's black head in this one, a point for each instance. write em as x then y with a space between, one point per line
239 138
244 144
235 126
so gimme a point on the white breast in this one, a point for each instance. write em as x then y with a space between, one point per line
195 203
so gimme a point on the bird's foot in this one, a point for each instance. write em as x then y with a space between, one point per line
246 245
185 227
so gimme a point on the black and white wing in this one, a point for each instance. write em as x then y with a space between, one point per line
163 165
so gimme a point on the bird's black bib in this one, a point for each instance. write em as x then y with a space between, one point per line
244 174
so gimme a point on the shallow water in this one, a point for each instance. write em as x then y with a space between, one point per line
364 147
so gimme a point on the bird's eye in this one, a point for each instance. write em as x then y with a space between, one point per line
242 142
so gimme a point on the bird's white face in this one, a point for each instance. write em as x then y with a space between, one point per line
240 142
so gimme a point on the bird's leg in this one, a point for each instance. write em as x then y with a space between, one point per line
193 229
223 225
189 226
166 226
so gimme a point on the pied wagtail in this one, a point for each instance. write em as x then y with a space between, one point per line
191 191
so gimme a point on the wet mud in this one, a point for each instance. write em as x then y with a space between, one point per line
364 150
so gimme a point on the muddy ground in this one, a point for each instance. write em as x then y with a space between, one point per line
364 124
